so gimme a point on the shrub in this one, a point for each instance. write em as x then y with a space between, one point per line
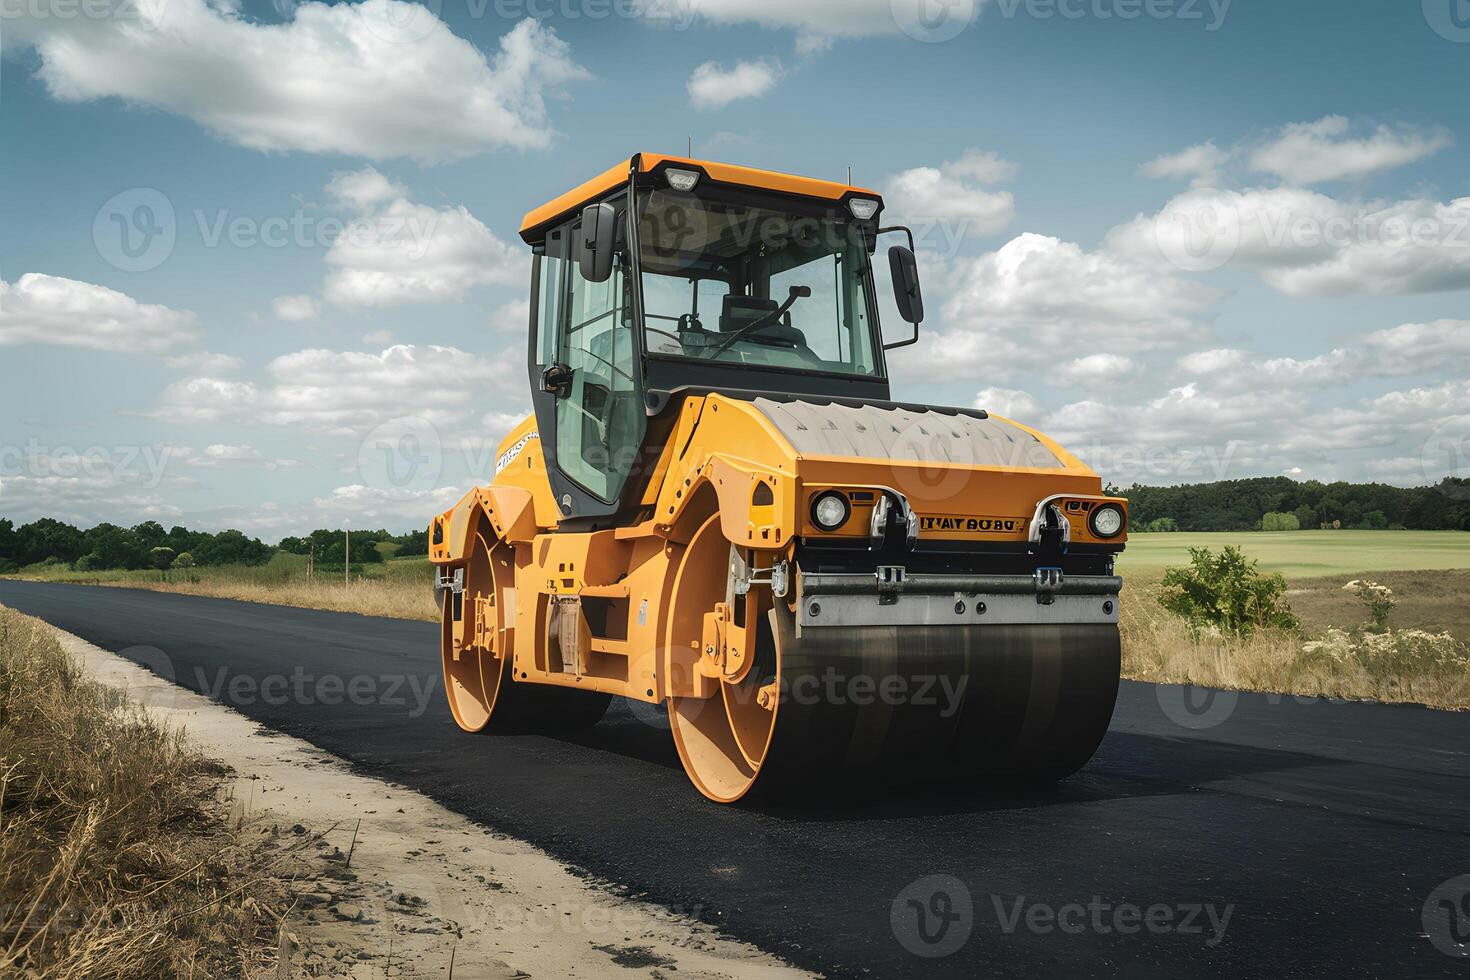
1227 592
1277 521
1160 525
1378 598
184 560
1391 656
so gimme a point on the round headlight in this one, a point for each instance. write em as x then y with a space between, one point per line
829 510
1107 521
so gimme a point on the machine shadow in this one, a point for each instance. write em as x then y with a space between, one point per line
1127 765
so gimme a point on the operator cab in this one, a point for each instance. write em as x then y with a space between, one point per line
726 278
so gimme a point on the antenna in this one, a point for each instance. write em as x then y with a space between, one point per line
849 175
689 147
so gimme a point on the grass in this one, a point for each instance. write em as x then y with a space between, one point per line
118 857
400 588
1157 646
1304 554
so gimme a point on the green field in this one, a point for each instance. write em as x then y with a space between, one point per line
1303 554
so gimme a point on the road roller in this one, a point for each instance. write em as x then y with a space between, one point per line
716 507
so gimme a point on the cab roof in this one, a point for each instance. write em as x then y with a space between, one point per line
536 221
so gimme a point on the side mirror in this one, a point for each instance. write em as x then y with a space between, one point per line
557 380
596 240
905 270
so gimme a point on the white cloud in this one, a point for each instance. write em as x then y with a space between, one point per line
296 308
512 317
1008 403
379 79
711 86
346 393
1413 348
378 338
1308 244
817 22
42 309
981 166
1096 369
397 251
203 362
1312 152
941 200
1037 295
1201 163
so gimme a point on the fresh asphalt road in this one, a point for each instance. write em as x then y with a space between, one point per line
1322 830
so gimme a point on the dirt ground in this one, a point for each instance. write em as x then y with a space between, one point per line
396 886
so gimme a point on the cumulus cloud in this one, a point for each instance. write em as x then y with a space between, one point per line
816 22
1201 163
296 308
345 393
1304 243
1037 296
1008 403
712 86
1312 152
946 199
203 362
42 309
394 250
378 79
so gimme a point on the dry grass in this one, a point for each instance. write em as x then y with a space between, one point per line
118 857
1158 646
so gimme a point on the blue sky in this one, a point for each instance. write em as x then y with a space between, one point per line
330 195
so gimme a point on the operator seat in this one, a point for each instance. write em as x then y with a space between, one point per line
740 311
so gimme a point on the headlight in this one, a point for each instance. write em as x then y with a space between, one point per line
1106 521
682 180
862 208
830 510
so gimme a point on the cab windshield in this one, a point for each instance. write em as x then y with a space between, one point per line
730 282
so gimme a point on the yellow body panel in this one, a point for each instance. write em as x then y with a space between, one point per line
723 457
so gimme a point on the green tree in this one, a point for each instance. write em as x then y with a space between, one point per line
184 560
1279 521
162 558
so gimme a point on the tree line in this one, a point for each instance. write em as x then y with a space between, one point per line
1281 503
149 545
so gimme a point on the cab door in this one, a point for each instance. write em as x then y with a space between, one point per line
586 376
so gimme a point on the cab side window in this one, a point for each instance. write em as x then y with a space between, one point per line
600 421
